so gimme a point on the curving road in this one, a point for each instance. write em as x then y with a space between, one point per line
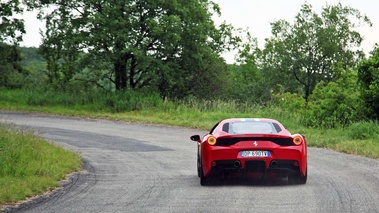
149 168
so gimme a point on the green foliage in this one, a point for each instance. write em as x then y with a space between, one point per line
288 101
301 54
121 101
11 73
171 46
34 66
30 165
335 104
11 28
130 100
368 76
363 130
208 82
247 81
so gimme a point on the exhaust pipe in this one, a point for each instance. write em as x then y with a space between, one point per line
237 163
273 163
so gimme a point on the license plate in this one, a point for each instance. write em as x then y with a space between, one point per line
255 154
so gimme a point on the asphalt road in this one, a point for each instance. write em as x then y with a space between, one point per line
149 168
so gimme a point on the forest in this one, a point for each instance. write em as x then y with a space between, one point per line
173 49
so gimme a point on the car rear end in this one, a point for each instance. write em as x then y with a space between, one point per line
254 156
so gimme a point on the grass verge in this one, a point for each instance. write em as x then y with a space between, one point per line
29 165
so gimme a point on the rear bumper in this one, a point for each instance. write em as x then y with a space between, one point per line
283 161
253 168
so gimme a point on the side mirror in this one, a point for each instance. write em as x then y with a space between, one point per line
195 138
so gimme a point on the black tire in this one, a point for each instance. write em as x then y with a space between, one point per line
303 179
198 166
298 178
203 179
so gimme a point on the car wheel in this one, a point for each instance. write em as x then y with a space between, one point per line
203 179
303 179
198 166
298 178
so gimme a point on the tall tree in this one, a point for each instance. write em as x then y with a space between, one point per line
368 77
301 54
250 83
11 31
147 42
11 72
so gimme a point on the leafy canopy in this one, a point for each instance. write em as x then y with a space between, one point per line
11 28
11 31
368 77
305 52
166 45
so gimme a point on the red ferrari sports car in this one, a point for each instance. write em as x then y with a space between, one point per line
251 148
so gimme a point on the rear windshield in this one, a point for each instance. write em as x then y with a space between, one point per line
251 127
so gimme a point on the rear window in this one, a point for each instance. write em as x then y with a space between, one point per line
251 127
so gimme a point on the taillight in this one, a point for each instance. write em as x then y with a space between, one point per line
297 140
211 140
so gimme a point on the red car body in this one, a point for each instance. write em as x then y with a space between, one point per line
251 148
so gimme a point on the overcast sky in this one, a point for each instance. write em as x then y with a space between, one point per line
256 16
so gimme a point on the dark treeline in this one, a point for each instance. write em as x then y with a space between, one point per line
313 63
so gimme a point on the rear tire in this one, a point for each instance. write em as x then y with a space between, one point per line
203 179
298 178
303 179
198 166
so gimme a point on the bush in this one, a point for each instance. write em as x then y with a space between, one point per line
363 130
290 101
335 104
368 77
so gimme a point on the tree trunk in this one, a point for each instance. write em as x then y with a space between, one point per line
132 73
120 73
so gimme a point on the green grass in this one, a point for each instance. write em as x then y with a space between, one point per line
30 165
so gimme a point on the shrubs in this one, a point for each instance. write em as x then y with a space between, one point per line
363 130
368 77
335 104
331 105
